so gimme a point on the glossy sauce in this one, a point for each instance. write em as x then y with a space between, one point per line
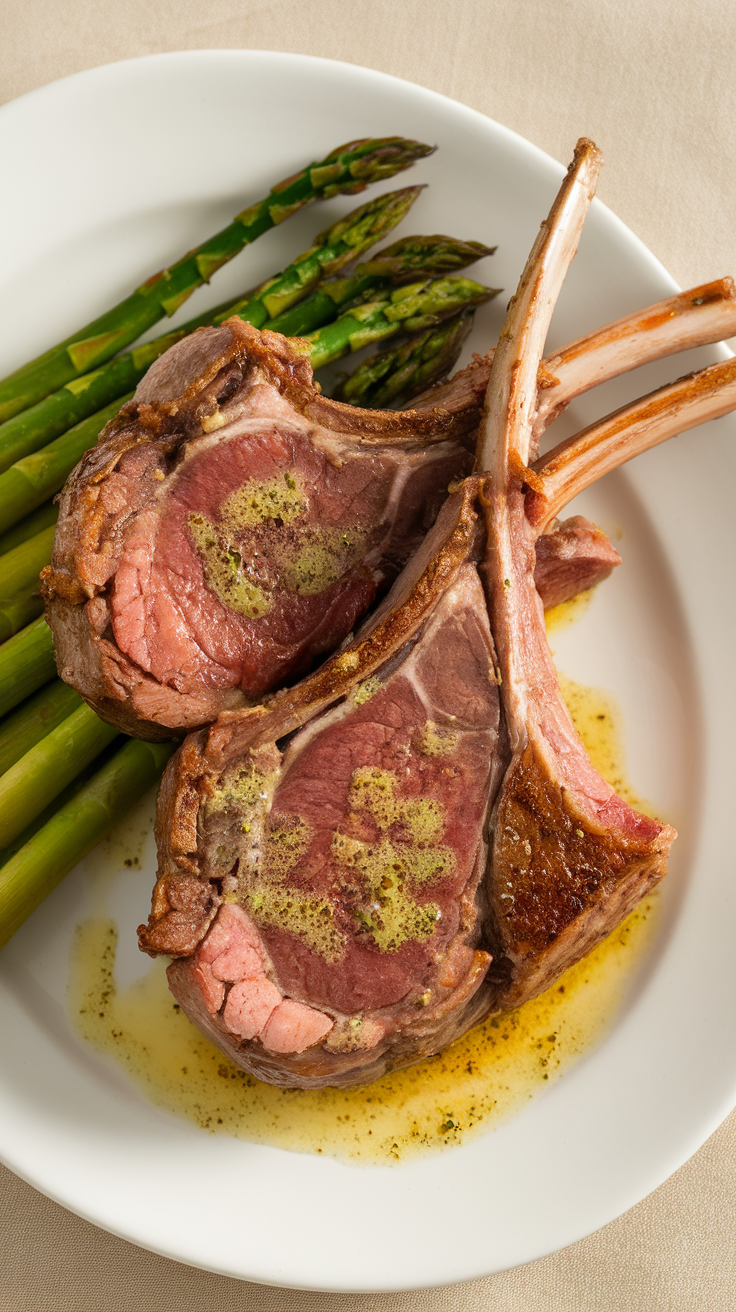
476 1084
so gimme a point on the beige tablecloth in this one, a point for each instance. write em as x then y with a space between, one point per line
653 83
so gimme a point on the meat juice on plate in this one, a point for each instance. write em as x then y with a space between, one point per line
472 1086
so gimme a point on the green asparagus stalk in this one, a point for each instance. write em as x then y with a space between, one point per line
31 722
46 769
26 664
34 871
407 309
425 254
20 595
31 481
333 249
404 261
65 796
349 169
20 568
337 246
29 526
18 611
394 376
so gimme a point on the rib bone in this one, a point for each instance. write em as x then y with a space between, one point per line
573 465
569 857
694 318
699 317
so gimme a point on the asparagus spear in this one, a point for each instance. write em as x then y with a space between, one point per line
402 262
65 796
407 309
34 719
20 568
46 769
26 664
18 611
31 481
29 526
333 249
420 254
337 246
31 874
396 375
20 596
349 169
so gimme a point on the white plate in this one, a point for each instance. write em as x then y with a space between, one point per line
113 172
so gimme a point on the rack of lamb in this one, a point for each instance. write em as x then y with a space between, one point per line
358 869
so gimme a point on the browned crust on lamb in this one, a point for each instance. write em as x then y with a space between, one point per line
450 415
565 887
116 688
184 904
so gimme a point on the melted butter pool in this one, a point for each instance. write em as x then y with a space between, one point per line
473 1086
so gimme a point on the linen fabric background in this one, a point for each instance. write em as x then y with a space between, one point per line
654 85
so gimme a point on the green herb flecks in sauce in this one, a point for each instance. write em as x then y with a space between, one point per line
258 547
245 786
365 690
318 558
436 740
470 1088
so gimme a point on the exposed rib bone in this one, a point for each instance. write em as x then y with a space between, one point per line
697 317
576 463
570 858
511 400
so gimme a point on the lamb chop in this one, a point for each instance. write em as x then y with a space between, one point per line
230 527
288 882
232 524
413 838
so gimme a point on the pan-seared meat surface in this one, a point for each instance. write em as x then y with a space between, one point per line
569 857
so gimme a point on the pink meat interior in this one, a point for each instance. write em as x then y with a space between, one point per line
170 619
384 805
